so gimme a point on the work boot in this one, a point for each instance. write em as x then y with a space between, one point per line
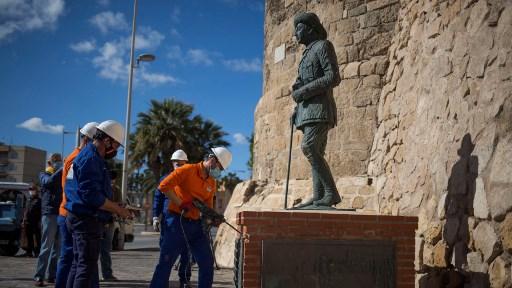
329 199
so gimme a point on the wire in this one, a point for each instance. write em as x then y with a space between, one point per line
188 247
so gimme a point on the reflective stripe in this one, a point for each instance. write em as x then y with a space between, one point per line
70 173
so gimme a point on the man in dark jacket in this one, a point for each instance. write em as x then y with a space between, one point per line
31 220
88 194
51 195
316 112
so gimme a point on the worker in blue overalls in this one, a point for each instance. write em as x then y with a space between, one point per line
178 159
89 206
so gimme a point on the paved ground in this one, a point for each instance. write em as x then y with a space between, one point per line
134 267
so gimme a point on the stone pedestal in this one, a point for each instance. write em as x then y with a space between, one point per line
391 237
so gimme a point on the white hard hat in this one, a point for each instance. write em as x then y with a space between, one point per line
179 155
112 129
89 129
223 155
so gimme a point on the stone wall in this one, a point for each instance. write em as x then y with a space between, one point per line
443 145
425 129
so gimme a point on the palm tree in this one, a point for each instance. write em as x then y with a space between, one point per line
167 126
159 132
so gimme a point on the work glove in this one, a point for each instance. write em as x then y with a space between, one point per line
186 206
156 224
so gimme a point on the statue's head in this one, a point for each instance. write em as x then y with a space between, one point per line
308 28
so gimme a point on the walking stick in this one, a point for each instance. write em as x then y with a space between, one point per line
289 163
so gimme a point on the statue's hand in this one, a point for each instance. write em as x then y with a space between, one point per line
297 96
296 85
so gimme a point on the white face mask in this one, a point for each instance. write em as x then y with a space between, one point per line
31 192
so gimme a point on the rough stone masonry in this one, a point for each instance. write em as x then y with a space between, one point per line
425 127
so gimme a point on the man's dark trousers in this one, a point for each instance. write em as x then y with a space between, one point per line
87 232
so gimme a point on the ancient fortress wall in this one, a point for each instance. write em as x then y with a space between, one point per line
425 126
443 146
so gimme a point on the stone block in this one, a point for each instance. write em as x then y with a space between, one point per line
499 195
433 233
374 5
358 202
486 241
351 70
353 53
475 263
361 9
428 255
341 55
480 208
371 19
349 25
499 273
505 233
367 68
439 253
419 243
371 81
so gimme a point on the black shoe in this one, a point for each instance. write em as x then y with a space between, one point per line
110 278
39 282
52 280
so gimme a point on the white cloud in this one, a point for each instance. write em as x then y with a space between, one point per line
110 61
199 57
27 15
240 138
113 57
83 46
36 124
107 21
146 38
243 65
157 78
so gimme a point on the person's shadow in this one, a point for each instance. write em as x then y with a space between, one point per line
458 208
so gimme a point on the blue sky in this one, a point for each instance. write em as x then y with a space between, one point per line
65 63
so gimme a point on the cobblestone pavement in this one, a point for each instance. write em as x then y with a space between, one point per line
134 267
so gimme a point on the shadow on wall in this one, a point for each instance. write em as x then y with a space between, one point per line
458 208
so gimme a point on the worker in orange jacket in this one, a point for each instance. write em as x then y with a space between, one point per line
183 229
66 244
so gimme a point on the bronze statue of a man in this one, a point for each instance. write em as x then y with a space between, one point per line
315 112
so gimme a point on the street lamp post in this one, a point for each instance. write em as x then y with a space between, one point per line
142 57
62 148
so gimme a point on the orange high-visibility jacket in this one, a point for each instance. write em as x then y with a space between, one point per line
65 170
188 183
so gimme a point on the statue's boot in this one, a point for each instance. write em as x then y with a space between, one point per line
316 197
330 198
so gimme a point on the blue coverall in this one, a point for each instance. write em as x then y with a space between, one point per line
86 193
160 204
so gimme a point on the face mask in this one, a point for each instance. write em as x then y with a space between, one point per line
31 192
215 173
110 152
57 165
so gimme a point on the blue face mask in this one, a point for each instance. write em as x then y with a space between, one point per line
215 173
